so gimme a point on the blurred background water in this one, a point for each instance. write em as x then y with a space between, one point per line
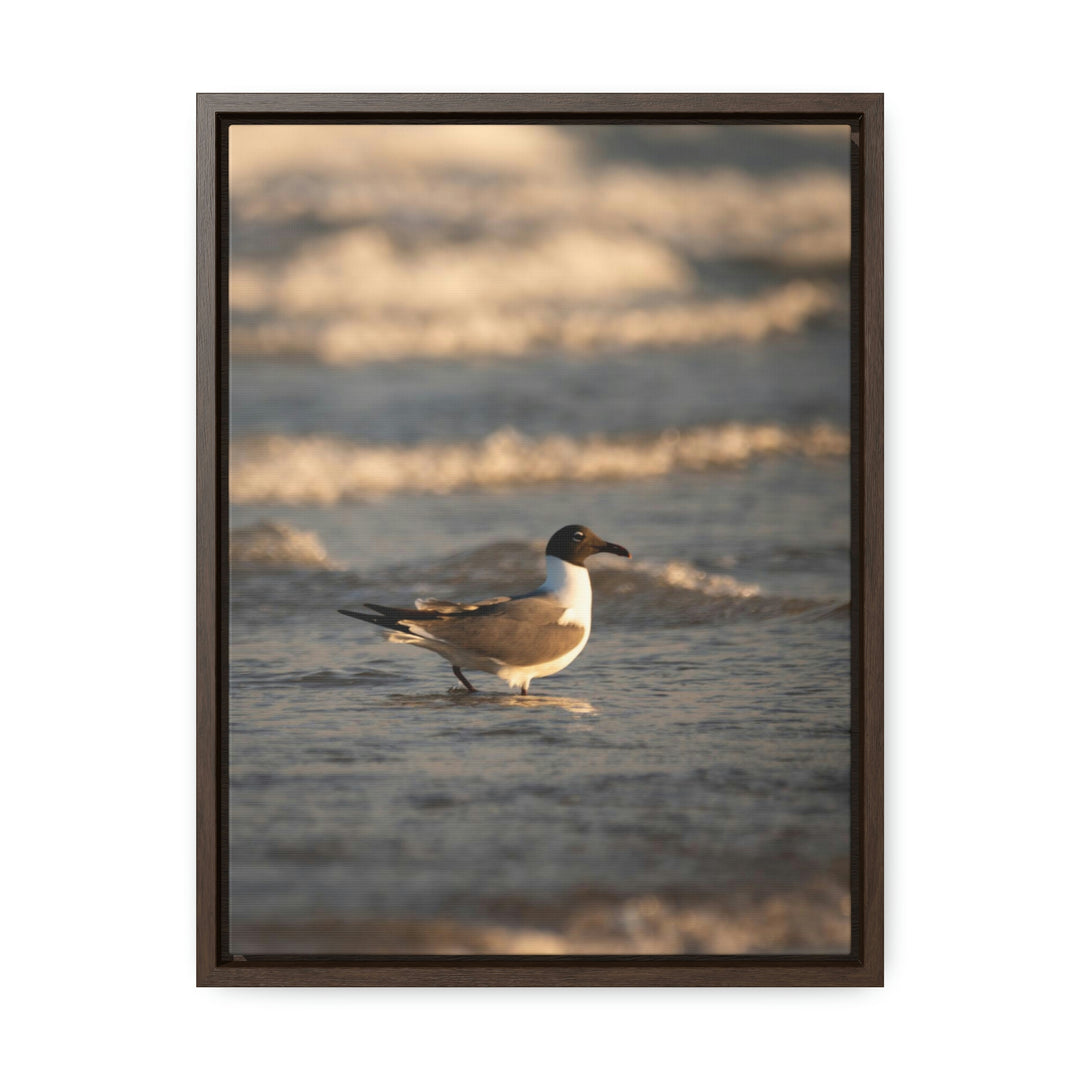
447 342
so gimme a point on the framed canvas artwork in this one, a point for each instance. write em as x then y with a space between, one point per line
540 539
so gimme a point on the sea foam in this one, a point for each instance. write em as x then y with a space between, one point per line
814 919
443 331
277 544
323 470
362 243
441 181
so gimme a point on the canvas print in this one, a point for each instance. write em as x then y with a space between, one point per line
539 599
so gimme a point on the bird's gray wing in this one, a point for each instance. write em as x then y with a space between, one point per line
519 633
447 607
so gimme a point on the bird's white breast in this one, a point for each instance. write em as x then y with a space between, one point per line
570 586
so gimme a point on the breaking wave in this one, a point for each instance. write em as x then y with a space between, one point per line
678 574
480 330
362 243
364 272
438 180
276 544
813 919
258 153
509 560
323 470
643 593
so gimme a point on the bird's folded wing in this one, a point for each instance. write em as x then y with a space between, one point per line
430 603
519 633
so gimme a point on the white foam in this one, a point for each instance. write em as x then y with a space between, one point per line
275 544
319 469
816 919
261 151
515 179
362 271
682 575
348 340
497 241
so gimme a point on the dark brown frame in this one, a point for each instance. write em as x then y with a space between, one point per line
864 113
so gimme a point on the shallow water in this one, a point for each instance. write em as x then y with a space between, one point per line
698 749
683 786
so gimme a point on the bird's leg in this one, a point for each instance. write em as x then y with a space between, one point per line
461 678
524 691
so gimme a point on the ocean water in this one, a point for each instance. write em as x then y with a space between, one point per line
435 366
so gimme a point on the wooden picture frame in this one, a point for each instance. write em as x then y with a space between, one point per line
216 965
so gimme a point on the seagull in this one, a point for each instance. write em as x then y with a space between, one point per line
517 638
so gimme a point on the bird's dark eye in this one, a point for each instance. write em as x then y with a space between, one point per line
578 537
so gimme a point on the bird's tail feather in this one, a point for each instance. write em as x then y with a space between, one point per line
386 621
389 618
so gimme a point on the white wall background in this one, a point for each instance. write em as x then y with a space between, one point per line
98 606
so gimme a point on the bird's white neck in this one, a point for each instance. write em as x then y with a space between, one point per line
568 584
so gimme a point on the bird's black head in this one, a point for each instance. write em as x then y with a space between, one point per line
575 543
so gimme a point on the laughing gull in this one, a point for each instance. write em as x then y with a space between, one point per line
518 638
